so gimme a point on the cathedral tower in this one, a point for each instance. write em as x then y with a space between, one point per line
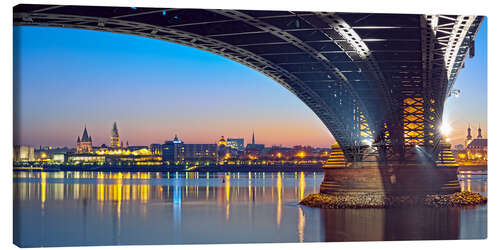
115 137
84 145
469 137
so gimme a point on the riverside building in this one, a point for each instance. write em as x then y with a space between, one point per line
176 152
475 151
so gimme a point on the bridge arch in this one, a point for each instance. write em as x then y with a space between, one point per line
349 68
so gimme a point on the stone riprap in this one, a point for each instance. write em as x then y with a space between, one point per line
380 200
460 199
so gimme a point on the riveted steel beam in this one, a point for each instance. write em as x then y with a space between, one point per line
361 56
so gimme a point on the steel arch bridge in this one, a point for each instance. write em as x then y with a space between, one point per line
377 81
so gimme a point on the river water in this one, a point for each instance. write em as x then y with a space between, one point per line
98 208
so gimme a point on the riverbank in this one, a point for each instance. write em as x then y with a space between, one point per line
479 168
380 200
246 168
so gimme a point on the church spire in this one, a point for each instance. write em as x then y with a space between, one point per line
469 136
114 131
253 137
85 136
479 136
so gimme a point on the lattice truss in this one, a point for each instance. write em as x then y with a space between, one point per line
413 121
362 128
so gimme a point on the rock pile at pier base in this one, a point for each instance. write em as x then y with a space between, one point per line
380 200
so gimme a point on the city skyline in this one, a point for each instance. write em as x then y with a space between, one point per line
67 78
107 141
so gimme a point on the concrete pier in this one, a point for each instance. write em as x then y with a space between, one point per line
416 175
397 179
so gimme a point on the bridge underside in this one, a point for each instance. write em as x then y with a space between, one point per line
377 81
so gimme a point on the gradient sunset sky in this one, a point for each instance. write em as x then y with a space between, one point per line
66 78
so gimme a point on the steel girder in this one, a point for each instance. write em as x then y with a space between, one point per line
354 70
359 53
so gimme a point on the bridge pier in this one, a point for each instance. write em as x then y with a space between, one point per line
416 175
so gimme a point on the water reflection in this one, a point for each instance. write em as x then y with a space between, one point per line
100 208
391 224
409 223
278 203
301 224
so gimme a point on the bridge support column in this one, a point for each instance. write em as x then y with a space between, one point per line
416 175
445 157
336 159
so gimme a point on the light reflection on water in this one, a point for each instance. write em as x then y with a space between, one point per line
97 208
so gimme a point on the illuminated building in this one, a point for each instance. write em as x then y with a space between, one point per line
277 155
172 152
84 145
117 156
236 143
24 153
222 150
475 151
222 142
255 147
156 149
57 158
85 158
302 151
200 152
42 156
177 153
45 147
51 155
252 153
280 153
115 137
139 155
135 148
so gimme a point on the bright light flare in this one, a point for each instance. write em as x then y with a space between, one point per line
445 129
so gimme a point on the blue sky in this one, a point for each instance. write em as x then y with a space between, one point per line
154 89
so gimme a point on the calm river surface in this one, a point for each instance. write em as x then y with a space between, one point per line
96 208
